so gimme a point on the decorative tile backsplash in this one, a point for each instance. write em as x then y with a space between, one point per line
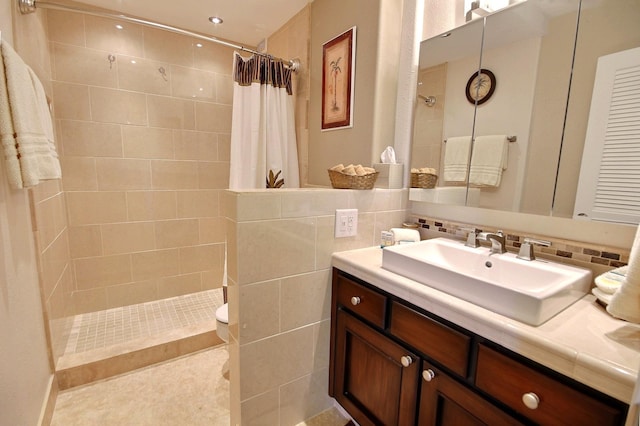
597 258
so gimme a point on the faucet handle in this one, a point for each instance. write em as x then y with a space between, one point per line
472 237
526 248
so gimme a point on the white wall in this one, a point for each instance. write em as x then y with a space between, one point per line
24 365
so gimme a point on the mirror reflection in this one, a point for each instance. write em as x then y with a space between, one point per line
528 48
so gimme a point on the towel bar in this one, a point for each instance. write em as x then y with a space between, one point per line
509 138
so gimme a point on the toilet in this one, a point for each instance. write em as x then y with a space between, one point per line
222 322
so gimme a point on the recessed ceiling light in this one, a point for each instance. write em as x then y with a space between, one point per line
215 20
198 44
118 26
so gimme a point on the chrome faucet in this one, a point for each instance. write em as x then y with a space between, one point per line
498 241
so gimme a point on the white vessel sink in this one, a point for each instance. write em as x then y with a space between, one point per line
527 291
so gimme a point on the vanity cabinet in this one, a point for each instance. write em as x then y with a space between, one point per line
393 363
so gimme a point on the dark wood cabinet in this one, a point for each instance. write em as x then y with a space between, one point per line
393 363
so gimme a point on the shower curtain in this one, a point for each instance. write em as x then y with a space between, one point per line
263 138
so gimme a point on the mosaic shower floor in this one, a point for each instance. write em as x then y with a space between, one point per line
95 330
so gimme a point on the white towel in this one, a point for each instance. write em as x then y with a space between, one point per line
28 140
625 303
456 159
489 159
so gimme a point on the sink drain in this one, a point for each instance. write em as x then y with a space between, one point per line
488 264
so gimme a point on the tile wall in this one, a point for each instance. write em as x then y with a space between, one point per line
143 120
280 246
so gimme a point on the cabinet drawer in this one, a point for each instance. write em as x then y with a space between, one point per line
509 381
441 343
367 303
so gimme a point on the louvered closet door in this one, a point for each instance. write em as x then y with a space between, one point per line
609 184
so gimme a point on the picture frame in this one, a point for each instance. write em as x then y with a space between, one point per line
338 75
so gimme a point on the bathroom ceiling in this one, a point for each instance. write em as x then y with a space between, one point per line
246 22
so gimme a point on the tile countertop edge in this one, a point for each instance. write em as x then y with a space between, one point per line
545 344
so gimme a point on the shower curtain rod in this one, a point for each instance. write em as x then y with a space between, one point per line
29 6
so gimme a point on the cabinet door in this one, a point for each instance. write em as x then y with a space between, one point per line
444 401
376 380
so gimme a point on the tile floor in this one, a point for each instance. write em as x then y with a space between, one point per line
97 330
190 390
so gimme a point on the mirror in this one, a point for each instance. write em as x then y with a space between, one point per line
529 48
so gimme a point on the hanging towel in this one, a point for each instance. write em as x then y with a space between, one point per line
625 303
489 159
456 159
27 130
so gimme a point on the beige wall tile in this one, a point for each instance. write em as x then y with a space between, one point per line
214 57
304 398
155 264
71 101
258 206
191 83
123 174
128 237
305 299
81 138
212 230
262 409
102 34
79 174
168 47
213 117
55 258
213 175
131 293
201 258
93 272
179 285
200 203
118 106
142 75
192 145
224 147
44 222
89 300
174 174
224 89
147 142
276 248
66 27
150 205
87 208
259 311
212 279
171 113
287 355
321 344
231 230
74 64
176 233
313 202
85 241
327 244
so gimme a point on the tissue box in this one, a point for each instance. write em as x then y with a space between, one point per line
389 175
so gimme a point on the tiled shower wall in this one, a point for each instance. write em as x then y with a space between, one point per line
143 121
280 247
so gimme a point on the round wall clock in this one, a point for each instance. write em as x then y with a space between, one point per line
480 86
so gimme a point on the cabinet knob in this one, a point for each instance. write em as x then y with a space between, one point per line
355 300
428 375
531 400
406 360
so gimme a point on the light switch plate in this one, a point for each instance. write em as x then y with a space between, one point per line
346 223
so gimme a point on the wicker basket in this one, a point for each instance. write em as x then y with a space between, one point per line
423 180
342 181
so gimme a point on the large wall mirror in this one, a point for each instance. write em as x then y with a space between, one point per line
542 98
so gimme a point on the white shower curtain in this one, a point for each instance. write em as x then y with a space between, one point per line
263 137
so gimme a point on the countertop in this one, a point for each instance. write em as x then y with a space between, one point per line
583 342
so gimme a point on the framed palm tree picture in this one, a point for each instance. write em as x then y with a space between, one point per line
338 72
